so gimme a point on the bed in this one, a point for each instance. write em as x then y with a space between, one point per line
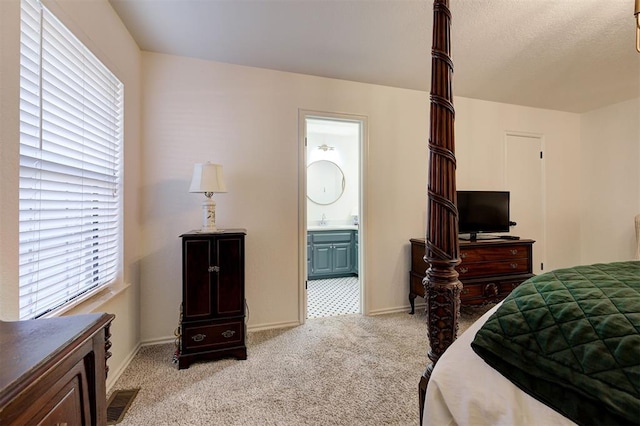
459 386
568 338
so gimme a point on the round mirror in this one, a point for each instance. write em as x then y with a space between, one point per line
325 182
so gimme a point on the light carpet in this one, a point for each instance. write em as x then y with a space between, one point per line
343 370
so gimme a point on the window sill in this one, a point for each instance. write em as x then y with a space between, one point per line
91 301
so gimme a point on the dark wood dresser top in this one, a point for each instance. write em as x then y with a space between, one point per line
30 345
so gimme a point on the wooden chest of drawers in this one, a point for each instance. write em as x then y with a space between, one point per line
489 269
53 371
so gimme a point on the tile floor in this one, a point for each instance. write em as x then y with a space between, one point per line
330 297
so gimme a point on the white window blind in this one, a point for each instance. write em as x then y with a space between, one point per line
70 165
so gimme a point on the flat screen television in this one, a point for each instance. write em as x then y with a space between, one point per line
482 211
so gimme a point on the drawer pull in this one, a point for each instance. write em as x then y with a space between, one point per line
513 265
490 290
465 291
228 333
198 337
514 251
464 270
214 269
463 255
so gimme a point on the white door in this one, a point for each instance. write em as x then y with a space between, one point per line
524 178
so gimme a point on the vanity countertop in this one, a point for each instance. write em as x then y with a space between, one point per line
331 227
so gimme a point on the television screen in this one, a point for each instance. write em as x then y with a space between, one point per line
483 211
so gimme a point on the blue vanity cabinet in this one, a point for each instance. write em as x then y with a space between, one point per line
331 253
355 252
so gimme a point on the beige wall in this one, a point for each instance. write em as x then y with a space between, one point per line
611 182
9 155
246 119
481 127
95 23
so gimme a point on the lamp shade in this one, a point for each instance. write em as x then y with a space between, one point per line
207 177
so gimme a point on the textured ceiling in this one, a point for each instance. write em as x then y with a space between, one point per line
569 55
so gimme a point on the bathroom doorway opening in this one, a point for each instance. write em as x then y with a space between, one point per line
332 281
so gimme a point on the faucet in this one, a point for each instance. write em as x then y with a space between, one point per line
323 221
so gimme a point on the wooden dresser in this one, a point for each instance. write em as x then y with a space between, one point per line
489 269
212 319
53 371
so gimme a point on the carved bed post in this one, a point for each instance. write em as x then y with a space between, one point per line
442 287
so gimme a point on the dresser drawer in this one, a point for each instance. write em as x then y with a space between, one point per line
212 336
483 269
490 254
478 292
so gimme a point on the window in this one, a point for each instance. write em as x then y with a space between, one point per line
71 109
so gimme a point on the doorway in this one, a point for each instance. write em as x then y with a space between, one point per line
331 214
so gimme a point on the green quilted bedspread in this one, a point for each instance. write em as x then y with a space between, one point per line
570 338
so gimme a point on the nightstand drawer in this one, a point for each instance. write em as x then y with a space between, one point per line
213 336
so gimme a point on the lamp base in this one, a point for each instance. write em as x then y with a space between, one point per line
209 216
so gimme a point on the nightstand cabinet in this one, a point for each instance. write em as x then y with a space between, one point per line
213 310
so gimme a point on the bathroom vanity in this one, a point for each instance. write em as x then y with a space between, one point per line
332 252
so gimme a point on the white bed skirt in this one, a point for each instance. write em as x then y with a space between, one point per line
464 390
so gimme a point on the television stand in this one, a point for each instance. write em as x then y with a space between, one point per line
489 269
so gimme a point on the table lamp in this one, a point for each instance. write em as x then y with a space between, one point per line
207 179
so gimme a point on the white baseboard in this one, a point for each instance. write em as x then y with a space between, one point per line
396 310
158 341
273 325
113 376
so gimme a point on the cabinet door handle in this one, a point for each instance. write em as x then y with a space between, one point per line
214 269
198 337
228 333
513 265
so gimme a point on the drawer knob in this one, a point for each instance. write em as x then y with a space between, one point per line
198 337
228 333
464 270
463 255
514 251
513 265
214 269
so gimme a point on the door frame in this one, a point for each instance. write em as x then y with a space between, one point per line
363 149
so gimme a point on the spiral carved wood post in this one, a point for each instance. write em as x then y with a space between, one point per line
442 287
